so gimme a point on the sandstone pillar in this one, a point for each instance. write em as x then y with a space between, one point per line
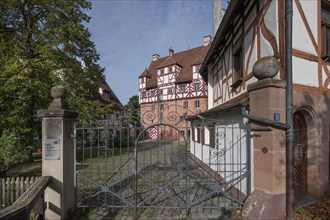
58 156
267 201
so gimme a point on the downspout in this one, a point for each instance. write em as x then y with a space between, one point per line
290 197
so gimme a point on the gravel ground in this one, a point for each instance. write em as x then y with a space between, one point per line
320 210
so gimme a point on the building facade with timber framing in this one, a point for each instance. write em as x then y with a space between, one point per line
251 31
172 86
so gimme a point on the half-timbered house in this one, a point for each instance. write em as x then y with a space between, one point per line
252 34
173 84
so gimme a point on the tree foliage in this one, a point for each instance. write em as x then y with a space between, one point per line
43 43
133 106
12 151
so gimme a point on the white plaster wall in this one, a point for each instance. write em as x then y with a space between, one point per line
265 47
300 37
304 72
207 136
248 44
271 19
165 79
210 87
232 140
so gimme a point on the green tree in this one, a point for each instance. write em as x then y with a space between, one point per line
133 107
12 151
43 43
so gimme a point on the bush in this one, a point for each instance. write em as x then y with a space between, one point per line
12 151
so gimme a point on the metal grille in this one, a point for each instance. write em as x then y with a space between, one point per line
155 173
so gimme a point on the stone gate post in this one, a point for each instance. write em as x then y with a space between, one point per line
58 156
268 102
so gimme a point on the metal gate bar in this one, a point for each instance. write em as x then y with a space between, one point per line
154 172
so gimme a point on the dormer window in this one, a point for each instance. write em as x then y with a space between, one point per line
197 68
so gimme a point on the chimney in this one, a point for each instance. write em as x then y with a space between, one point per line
218 14
207 40
171 52
155 57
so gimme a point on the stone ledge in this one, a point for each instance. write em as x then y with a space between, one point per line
264 83
52 113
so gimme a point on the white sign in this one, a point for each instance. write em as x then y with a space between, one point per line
51 149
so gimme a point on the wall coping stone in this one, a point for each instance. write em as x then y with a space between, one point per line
56 113
265 83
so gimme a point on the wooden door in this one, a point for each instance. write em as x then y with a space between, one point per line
300 154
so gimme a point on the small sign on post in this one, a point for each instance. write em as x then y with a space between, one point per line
277 117
51 149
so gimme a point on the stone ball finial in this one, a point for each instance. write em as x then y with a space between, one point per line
58 92
266 67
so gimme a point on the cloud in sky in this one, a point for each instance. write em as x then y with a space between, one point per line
128 32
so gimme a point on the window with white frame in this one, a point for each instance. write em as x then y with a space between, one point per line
182 88
185 104
196 87
197 104
237 63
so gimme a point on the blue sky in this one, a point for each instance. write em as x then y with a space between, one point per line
128 32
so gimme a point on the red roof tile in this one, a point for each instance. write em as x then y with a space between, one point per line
185 59
145 73
168 62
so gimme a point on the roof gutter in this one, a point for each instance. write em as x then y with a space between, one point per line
207 113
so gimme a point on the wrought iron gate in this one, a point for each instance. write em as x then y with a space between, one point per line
156 171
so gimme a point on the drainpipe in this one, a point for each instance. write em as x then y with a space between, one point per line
290 197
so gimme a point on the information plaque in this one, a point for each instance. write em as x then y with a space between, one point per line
51 149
